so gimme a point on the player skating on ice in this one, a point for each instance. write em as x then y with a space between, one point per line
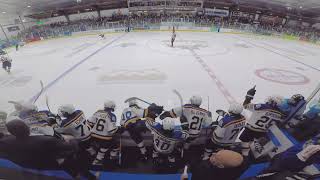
101 36
227 130
262 117
133 121
166 137
192 117
6 63
104 128
173 36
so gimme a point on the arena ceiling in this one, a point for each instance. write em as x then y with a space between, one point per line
42 8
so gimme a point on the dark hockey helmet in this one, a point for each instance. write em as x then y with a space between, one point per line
295 99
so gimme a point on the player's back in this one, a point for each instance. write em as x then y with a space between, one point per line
196 117
75 125
263 116
228 129
163 141
104 124
131 115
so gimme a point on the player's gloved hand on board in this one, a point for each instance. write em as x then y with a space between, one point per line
53 119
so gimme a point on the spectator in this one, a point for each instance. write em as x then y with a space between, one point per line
223 165
40 152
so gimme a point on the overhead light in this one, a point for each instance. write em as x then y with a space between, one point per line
300 7
28 6
4 12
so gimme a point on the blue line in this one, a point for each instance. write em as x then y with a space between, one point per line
74 67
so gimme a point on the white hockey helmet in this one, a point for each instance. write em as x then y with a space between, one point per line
66 109
133 102
109 104
29 106
235 108
274 100
196 100
25 106
168 124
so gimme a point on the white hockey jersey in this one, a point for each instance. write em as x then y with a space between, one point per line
194 116
5 59
263 116
228 129
36 120
132 115
164 143
76 126
103 125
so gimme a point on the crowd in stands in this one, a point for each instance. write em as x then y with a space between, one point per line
116 21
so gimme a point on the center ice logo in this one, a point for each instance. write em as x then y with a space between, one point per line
282 76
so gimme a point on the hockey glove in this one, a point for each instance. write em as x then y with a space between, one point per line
251 93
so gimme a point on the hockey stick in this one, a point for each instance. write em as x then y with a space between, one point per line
136 98
39 94
181 104
120 151
47 103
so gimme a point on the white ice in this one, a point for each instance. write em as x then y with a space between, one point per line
143 64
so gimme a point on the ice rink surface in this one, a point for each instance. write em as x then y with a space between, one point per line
87 70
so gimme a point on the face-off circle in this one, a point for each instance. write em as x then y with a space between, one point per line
282 76
182 47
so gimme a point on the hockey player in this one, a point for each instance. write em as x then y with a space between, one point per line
133 120
165 139
192 118
309 123
293 107
262 117
227 131
101 36
38 121
6 63
173 36
74 123
103 123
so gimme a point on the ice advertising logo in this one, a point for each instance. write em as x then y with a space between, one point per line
282 76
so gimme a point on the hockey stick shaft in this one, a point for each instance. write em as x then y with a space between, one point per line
39 94
47 103
181 104
136 98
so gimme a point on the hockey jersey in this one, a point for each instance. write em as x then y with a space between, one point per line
165 142
263 116
103 124
132 115
36 120
228 129
192 116
75 125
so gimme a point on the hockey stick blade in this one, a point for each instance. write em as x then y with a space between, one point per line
136 98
